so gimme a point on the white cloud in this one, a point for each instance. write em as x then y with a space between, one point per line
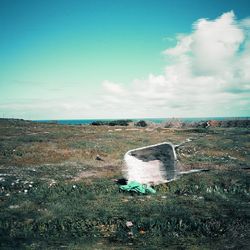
46 108
208 75
215 44
183 46
113 88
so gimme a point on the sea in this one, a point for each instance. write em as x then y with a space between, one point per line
155 120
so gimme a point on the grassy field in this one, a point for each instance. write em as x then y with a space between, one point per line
55 194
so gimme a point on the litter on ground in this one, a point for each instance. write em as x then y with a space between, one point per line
136 187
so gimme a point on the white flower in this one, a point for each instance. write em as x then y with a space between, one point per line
129 223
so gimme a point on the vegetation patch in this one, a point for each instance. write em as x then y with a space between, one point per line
53 205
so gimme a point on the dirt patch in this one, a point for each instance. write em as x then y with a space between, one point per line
86 174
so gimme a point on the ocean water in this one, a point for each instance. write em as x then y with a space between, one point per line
155 120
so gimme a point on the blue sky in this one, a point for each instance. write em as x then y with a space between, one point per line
124 59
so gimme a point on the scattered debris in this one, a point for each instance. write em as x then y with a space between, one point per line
121 181
152 164
155 164
136 187
98 158
194 171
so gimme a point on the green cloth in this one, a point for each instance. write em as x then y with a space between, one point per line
135 186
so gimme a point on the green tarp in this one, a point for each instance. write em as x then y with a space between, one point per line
136 187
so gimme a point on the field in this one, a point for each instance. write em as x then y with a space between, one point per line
56 194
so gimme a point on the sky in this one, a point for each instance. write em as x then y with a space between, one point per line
87 59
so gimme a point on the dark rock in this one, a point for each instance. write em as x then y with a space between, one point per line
98 123
121 181
98 158
119 123
141 124
112 123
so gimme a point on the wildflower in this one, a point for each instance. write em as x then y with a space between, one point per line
130 234
129 223
52 183
14 206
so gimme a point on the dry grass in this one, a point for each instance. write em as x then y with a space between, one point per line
72 201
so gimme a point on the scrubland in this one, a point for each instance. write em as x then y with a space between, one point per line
55 193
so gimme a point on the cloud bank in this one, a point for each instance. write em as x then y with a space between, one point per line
207 73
